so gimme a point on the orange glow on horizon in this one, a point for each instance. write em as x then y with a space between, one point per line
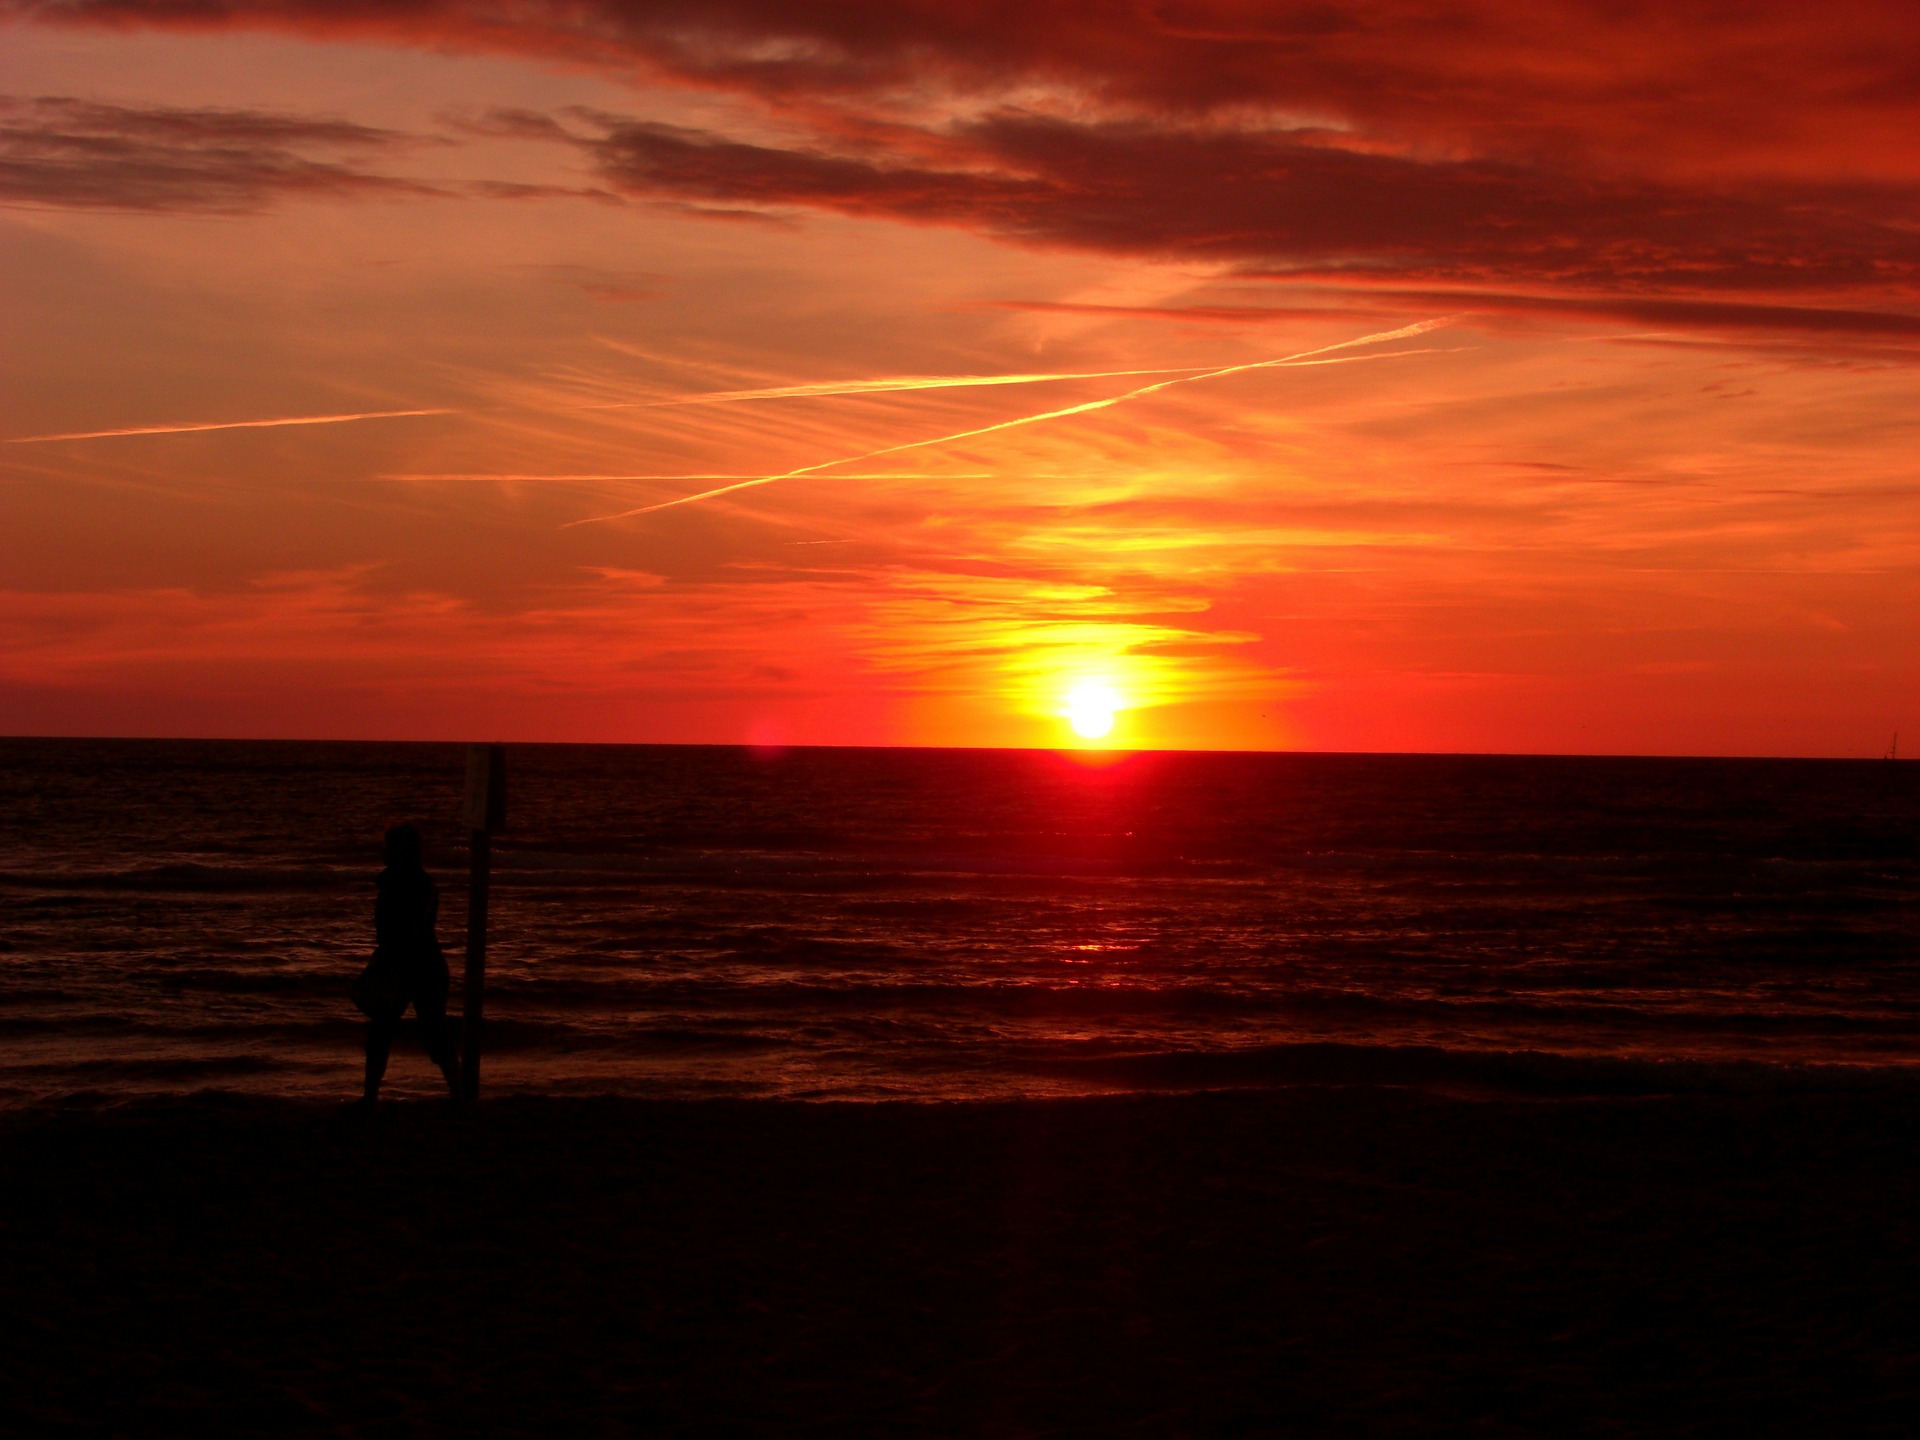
426 375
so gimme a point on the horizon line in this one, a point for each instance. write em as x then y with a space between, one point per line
1076 751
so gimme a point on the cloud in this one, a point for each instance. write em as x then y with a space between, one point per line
1771 81
1305 205
1761 87
1720 315
59 151
821 390
515 190
1755 154
613 287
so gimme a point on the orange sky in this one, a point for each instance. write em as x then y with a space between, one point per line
1599 434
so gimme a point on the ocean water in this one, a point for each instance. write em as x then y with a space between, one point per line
929 924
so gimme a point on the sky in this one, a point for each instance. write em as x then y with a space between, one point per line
1499 375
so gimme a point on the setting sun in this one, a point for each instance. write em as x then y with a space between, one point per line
970 412
1090 708
1060 609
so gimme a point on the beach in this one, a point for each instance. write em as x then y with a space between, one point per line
1365 1259
967 1093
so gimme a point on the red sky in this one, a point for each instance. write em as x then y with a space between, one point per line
1597 434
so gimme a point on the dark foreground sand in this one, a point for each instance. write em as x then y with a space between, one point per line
1336 1261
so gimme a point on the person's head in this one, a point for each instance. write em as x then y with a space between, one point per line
403 846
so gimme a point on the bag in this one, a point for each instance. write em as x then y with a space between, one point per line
379 990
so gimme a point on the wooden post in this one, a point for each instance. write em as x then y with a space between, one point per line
480 848
485 812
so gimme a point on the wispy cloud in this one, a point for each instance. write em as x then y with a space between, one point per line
60 151
822 390
1691 314
1303 357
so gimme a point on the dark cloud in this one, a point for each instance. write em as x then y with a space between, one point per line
516 190
1306 204
1677 86
1690 152
503 123
57 151
661 161
615 286
1724 315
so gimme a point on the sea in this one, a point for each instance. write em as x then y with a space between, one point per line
930 925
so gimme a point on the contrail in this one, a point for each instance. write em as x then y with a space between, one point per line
224 425
1303 357
1182 375
883 386
493 475
706 397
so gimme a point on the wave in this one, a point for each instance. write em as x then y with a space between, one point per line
650 1070
1515 1072
857 870
190 877
342 1031
105 1070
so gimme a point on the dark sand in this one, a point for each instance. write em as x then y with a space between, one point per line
1337 1261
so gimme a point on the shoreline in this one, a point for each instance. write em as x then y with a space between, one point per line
1347 1259
1479 1072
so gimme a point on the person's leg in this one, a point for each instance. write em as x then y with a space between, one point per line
380 1030
431 1007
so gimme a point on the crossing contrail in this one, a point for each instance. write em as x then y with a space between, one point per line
511 475
224 425
1302 357
1181 375
822 389
886 385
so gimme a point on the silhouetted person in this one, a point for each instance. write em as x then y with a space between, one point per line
408 968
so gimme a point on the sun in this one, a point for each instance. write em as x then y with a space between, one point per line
1090 708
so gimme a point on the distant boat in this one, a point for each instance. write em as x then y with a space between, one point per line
1893 748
